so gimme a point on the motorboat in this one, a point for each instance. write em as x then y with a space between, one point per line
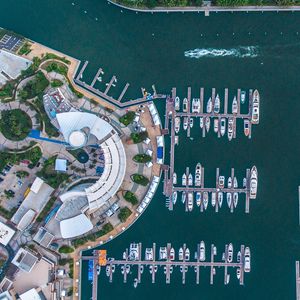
209 106
98 270
223 126
227 278
238 273
185 103
202 251
135 282
174 197
198 198
221 181
216 125
205 200
113 268
151 269
235 199
198 175
229 182
191 122
246 127
177 124
235 183
234 106
195 105
127 269
172 254
238 257
190 203
220 199
187 254
174 178
207 123
255 107
185 123
247 260
243 97
190 179
217 104
229 199
183 269
180 253
230 129
183 179
244 182
149 254
213 199
183 197
171 269
122 269
177 103
230 253
162 253
201 122
134 251
253 182
155 268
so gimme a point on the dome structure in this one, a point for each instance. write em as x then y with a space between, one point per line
78 139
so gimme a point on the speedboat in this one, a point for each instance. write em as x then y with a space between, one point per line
234 106
174 178
230 129
190 201
202 251
187 254
235 183
185 123
235 199
238 257
217 104
246 127
201 122
253 183
209 106
220 199
243 97
177 124
149 254
198 198
207 123
205 200
183 197
216 125
221 181
213 199
184 103
180 253
247 260
183 179
229 182
229 199
223 126
190 179
162 253
255 107
230 253
191 122
172 254
177 103
198 175
238 273
174 197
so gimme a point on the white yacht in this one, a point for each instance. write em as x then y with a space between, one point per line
229 182
202 251
255 107
220 199
246 127
184 104
238 273
134 251
187 254
149 254
190 179
235 199
180 254
185 123
213 199
127 268
221 181
174 178
243 97
234 106
196 105
247 260
177 103
229 199
235 183
205 200
223 126
174 197
177 124
230 253
217 104
163 253
190 201
253 183
172 254
230 129
216 125
209 106
207 123
183 182
198 175
183 197
201 122
191 122
198 198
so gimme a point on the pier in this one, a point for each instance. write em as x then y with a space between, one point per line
297 280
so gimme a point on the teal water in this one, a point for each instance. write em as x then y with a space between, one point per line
145 49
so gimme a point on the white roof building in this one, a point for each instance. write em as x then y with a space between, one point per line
5 296
30 295
36 185
6 234
61 165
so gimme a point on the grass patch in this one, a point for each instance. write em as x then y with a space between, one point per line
66 249
124 214
139 137
142 158
46 209
54 56
7 213
127 118
25 49
140 179
130 197
7 90
56 67
56 83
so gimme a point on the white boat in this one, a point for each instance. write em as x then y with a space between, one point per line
255 107
127 268
230 129
107 271
187 254
205 200
198 198
235 199
238 273
184 103
243 97
247 260
213 199
177 103
174 197
229 199
185 123
209 106
217 104
113 268
229 182
202 251
172 254
220 199
223 126
183 182
162 253
227 278
177 124
149 254
135 283
198 175
134 251
98 270
221 181
207 123
253 183
201 122
183 197
190 203
190 179
244 182
235 183
234 106
191 122
122 269
238 257
246 127
230 253
180 253
195 105
216 125
174 178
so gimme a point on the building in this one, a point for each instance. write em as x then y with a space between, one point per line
60 165
30 295
6 234
5 296
25 260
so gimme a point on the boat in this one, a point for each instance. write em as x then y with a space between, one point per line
198 198
191 122
205 200
217 104
134 251
229 199
149 254
183 269
246 127
177 124
177 103
255 107
230 129
174 178
190 201
221 181
198 175
244 182
190 179
238 273
183 179
184 104
122 269
162 253
238 257
172 254
174 197
135 283
220 199
223 126
127 268
201 122
230 253
235 183
243 97
195 105
180 253
216 125
234 106
98 270
113 268
229 182
183 197
209 106
207 123
185 123
187 254
253 183
202 251
213 199
247 260
235 199
227 278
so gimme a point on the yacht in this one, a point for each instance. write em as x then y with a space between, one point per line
244 182
229 182
213 199
223 126
174 178
185 123
113 268
238 273
122 269
174 197
221 182
127 268
187 254
229 199
216 125
235 199
184 103
201 122
135 282
243 97
246 127
253 183
184 179
134 251
177 124
238 257
190 179
149 254
235 183
217 104
172 254
227 278
230 253
247 260
207 123
196 105
190 201
180 253
205 200
209 106
202 251
220 199
234 106
230 129
177 103
191 122
255 107
162 253
151 269
183 197
198 198
198 175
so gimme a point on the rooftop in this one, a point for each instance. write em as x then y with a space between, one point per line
6 234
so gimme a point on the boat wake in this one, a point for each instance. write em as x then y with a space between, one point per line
239 52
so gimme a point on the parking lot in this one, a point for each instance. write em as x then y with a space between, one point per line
11 43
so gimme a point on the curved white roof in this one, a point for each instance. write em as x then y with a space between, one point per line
75 226
77 138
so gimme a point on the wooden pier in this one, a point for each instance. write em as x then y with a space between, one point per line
97 76
297 280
